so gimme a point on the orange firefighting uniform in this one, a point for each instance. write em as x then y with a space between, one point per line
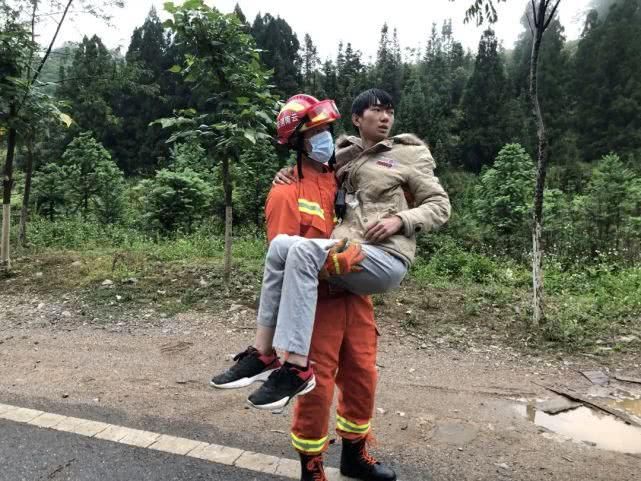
344 340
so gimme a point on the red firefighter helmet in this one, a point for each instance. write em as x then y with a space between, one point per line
303 112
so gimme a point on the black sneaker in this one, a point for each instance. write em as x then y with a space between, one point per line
251 366
282 386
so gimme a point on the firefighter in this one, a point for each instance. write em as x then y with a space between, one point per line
344 339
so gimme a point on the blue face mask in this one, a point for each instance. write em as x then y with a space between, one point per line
322 147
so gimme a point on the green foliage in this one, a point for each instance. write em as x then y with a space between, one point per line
190 155
554 81
309 63
15 46
173 201
612 204
607 90
483 105
92 183
240 108
482 10
88 88
388 70
280 52
352 77
253 179
148 92
597 302
504 195
49 191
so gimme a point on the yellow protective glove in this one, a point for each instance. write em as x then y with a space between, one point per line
342 258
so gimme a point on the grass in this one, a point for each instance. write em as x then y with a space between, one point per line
588 307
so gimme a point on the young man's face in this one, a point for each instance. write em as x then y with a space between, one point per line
375 123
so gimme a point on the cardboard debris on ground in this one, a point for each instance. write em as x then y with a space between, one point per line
621 377
557 405
575 396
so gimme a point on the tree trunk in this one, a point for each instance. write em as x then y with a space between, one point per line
7 184
228 219
24 213
541 22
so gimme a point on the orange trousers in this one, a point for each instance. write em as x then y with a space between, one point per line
343 354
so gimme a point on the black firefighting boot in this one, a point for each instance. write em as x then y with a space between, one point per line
357 463
312 467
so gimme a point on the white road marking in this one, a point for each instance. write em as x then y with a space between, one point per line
214 453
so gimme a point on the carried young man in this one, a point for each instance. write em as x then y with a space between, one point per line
377 174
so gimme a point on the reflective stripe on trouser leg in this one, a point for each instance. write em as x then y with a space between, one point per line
348 426
357 375
309 446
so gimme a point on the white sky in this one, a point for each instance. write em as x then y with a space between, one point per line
329 21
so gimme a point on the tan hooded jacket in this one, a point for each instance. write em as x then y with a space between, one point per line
376 181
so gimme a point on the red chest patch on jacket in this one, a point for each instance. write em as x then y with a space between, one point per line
388 163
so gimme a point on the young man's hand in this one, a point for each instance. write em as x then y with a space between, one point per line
384 228
284 176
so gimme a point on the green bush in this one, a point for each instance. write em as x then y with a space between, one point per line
503 197
85 181
173 201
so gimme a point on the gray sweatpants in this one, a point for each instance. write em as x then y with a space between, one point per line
289 292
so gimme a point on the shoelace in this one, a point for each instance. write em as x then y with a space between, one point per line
242 355
315 465
275 376
365 455
284 372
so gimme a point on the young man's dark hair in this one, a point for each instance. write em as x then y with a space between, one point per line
370 97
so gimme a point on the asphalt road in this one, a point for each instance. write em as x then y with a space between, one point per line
29 453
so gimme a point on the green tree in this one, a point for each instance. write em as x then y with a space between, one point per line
240 108
173 201
89 87
15 45
329 81
605 204
352 78
388 71
16 15
256 169
503 200
280 52
445 69
554 86
93 182
481 10
190 155
411 111
310 62
49 191
139 146
483 132
607 88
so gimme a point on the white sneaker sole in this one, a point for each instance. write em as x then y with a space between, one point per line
277 406
243 382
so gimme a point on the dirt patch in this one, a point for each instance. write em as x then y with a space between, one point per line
438 409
